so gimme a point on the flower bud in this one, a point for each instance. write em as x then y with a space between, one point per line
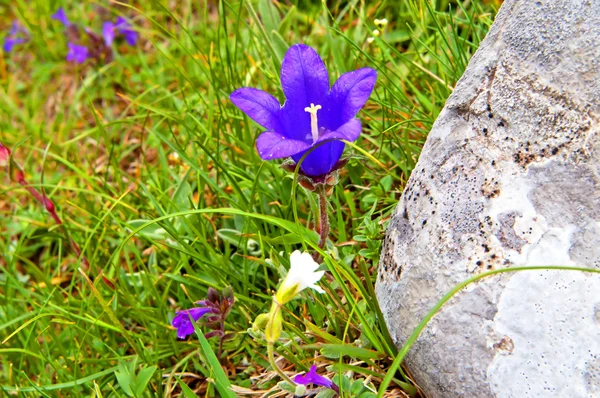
274 324
260 323
300 390
4 155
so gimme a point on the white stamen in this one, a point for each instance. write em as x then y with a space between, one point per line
314 127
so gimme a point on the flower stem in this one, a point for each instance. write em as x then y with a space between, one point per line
221 337
16 174
270 349
323 221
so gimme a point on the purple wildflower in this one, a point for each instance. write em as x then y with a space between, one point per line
293 129
61 17
108 32
127 31
9 43
77 54
182 321
12 39
312 377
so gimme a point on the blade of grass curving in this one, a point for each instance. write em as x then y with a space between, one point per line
421 326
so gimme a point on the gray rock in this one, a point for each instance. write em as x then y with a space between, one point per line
509 176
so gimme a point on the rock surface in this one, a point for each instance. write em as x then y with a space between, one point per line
509 176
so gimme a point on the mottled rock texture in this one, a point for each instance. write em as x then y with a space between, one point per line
509 176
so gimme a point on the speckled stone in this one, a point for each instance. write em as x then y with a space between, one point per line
509 176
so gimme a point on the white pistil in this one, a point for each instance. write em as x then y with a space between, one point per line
314 127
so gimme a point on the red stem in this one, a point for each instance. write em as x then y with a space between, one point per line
323 222
16 174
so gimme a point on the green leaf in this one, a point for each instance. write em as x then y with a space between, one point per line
125 379
187 391
285 386
326 393
336 351
142 379
216 371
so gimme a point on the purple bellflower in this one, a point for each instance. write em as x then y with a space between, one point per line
313 377
61 17
13 39
109 31
313 115
184 324
78 54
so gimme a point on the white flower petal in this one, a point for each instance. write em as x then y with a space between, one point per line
302 274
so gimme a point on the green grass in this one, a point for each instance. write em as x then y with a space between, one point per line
155 175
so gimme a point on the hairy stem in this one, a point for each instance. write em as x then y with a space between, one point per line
221 337
323 222
270 350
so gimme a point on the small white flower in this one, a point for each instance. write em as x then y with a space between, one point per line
370 40
376 33
303 274
381 23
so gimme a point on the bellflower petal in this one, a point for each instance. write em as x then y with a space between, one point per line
313 377
304 80
182 321
61 17
272 145
351 91
77 54
304 77
108 32
125 28
260 106
350 131
321 160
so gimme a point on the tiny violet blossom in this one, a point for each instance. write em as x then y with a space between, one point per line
313 377
127 31
61 17
182 321
314 116
77 53
13 39
121 26
108 32
218 304
302 274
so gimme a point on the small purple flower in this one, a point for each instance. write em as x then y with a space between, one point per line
77 54
182 321
9 43
13 39
108 32
61 17
127 31
294 128
312 377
